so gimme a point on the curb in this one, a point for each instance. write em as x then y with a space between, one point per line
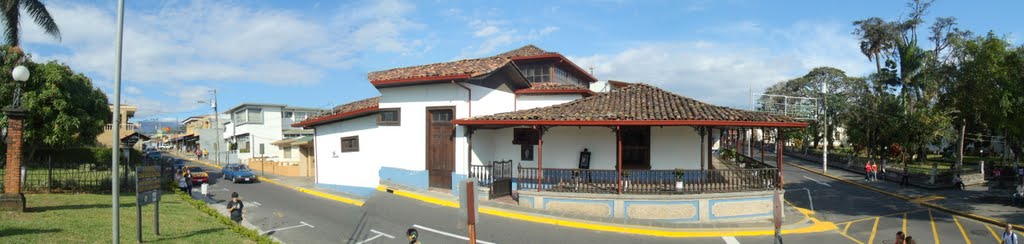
906 198
312 192
817 226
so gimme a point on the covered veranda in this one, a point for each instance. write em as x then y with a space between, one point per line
663 144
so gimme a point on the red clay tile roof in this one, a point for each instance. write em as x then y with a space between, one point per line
555 88
472 67
341 112
638 104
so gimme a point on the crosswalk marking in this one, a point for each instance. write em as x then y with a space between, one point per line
730 240
874 230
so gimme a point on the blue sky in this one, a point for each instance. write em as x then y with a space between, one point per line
317 53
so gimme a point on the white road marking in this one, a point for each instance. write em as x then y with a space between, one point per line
819 182
379 234
256 203
303 224
449 234
730 240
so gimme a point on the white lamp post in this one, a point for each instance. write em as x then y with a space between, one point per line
13 199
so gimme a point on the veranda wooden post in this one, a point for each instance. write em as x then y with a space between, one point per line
779 141
540 157
618 156
700 131
710 142
762 144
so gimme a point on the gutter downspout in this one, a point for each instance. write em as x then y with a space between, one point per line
466 131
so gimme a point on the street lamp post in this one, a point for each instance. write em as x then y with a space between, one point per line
824 115
13 199
216 119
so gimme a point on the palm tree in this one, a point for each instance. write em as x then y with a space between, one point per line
876 38
12 19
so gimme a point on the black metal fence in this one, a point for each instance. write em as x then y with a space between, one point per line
76 177
648 182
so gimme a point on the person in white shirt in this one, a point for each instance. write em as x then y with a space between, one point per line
1018 196
1008 236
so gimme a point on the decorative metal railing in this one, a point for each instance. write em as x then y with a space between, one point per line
647 182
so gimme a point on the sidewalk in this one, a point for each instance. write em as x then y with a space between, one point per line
797 221
979 202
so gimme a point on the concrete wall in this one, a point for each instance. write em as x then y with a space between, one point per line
543 100
691 208
675 147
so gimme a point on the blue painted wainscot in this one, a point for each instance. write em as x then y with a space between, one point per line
690 208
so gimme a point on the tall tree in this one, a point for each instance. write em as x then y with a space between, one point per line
12 19
64 108
876 39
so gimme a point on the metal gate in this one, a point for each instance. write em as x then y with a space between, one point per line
502 184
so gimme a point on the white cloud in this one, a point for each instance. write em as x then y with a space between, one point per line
203 40
131 90
494 34
725 73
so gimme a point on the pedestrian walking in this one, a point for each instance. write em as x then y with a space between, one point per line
206 154
874 172
900 238
412 235
905 178
187 176
1008 236
182 182
235 207
1018 196
867 171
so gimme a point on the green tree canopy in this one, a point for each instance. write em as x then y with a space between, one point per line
64 108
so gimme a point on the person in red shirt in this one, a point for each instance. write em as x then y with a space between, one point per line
867 171
874 172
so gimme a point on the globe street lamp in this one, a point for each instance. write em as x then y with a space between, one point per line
13 199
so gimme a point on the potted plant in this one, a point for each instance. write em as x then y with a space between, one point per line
679 178
625 179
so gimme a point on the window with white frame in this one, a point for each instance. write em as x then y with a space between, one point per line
254 115
287 152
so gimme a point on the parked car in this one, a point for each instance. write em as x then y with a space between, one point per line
238 173
199 176
178 164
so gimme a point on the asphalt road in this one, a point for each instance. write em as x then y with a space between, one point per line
295 217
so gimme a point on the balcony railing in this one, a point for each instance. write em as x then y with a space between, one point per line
123 127
648 182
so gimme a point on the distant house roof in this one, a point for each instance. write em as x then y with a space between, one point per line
342 112
461 69
638 104
254 105
555 88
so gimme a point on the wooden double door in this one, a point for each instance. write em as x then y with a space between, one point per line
440 146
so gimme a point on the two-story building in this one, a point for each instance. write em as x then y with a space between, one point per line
257 125
125 127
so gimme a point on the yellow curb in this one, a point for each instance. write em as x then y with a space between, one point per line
909 199
299 189
317 193
818 226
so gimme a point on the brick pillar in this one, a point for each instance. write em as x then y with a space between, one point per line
13 199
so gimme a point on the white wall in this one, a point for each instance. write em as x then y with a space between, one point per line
528 101
675 147
351 168
265 133
671 147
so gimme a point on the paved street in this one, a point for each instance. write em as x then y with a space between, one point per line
862 216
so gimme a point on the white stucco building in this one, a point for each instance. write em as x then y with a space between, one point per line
255 124
432 123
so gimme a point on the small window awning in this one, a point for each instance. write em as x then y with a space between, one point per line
298 141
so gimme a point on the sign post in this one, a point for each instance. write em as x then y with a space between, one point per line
147 190
467 202
777 216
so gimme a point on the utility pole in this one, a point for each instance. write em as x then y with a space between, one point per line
216 119
115 152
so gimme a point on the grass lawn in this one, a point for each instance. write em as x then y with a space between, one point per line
85 218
